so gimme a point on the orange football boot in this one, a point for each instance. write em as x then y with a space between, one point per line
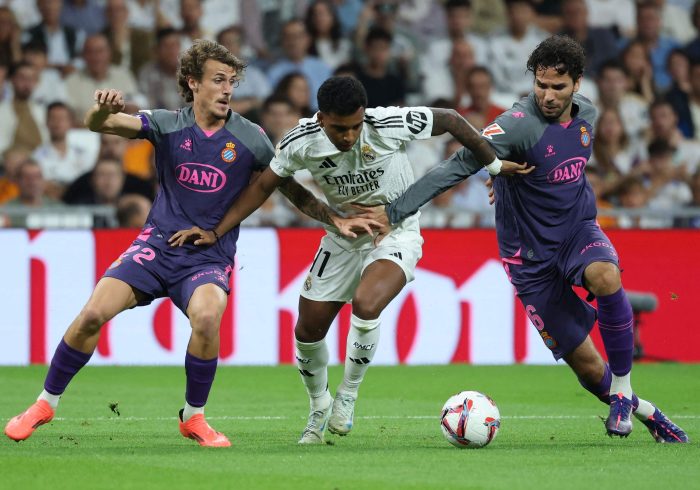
22 426
197 428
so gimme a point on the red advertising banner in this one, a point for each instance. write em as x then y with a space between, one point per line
460 308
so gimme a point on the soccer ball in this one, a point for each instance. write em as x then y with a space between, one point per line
470 419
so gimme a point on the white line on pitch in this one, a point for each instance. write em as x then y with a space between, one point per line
366 417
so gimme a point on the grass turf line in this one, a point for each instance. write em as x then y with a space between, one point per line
550 436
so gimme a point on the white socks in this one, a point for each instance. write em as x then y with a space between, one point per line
363 338
312 361
621 384
189 411
49 398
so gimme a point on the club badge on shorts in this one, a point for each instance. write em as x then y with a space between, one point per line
228 154
307 283
368 153
585 136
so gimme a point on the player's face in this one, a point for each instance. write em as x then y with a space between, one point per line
213 93
554 93
343 131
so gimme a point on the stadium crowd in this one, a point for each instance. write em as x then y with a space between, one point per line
643 73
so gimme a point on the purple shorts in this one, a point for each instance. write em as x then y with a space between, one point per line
156 271
545 289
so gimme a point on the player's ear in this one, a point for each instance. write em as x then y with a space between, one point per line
319 118
193 84
577 83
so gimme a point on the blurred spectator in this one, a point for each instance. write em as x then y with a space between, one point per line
633 195
615 14
83 15
5 87
403 59
599 42
656 45
448 81
60 162
295 88
25 11
132 211
31 185
324 27
613 94
686 102
693 47
383 88
11 161
23 121
10 37
601 203
692 221
348 11
435 63
50 86
488 16
149 14
678 65
481 110
192 28
295 44
253 88
136 157
131 47
265 23
639 69
106 184
62 43
97 74
158 78
675 22
666 183
511 46
278 116
664 126
612 157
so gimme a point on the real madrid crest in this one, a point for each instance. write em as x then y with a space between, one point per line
228 154
585 136
368 153
307 283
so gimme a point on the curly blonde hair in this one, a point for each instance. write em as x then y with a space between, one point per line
192 64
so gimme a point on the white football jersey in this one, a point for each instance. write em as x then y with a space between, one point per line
375 171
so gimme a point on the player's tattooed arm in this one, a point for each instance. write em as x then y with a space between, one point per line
310 205
449 121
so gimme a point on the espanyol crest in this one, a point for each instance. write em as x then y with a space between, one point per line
228 154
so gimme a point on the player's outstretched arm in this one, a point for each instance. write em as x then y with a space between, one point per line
450 121
106 115
251 199
310 205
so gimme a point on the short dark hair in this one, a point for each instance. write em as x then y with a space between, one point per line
561 53
660 148
378 34
165 32
276 99
58 105
611 64
453 4
341 96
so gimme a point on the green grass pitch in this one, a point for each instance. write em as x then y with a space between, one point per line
551 434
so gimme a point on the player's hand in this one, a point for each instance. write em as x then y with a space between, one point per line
492 193
110 101
513 168
194 235
350 227
377 214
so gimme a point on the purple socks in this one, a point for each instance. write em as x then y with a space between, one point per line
65 364
615 320
602 388
200 376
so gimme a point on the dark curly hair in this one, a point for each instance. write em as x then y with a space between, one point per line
561 53
341 96
192 64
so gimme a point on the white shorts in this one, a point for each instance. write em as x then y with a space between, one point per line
335 272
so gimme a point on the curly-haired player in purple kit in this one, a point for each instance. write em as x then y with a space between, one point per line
548 237
206 155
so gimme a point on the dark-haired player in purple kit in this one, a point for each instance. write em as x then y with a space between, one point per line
548 237
205 157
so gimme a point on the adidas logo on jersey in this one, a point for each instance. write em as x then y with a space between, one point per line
328 163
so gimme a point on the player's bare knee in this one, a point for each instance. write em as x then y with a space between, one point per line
91 320
603 278
308 333
205 323
367 308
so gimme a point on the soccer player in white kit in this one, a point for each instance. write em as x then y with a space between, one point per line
355 155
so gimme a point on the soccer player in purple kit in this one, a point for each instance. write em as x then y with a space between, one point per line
548 236
205 156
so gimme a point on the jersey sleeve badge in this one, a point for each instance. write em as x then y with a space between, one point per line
492 130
